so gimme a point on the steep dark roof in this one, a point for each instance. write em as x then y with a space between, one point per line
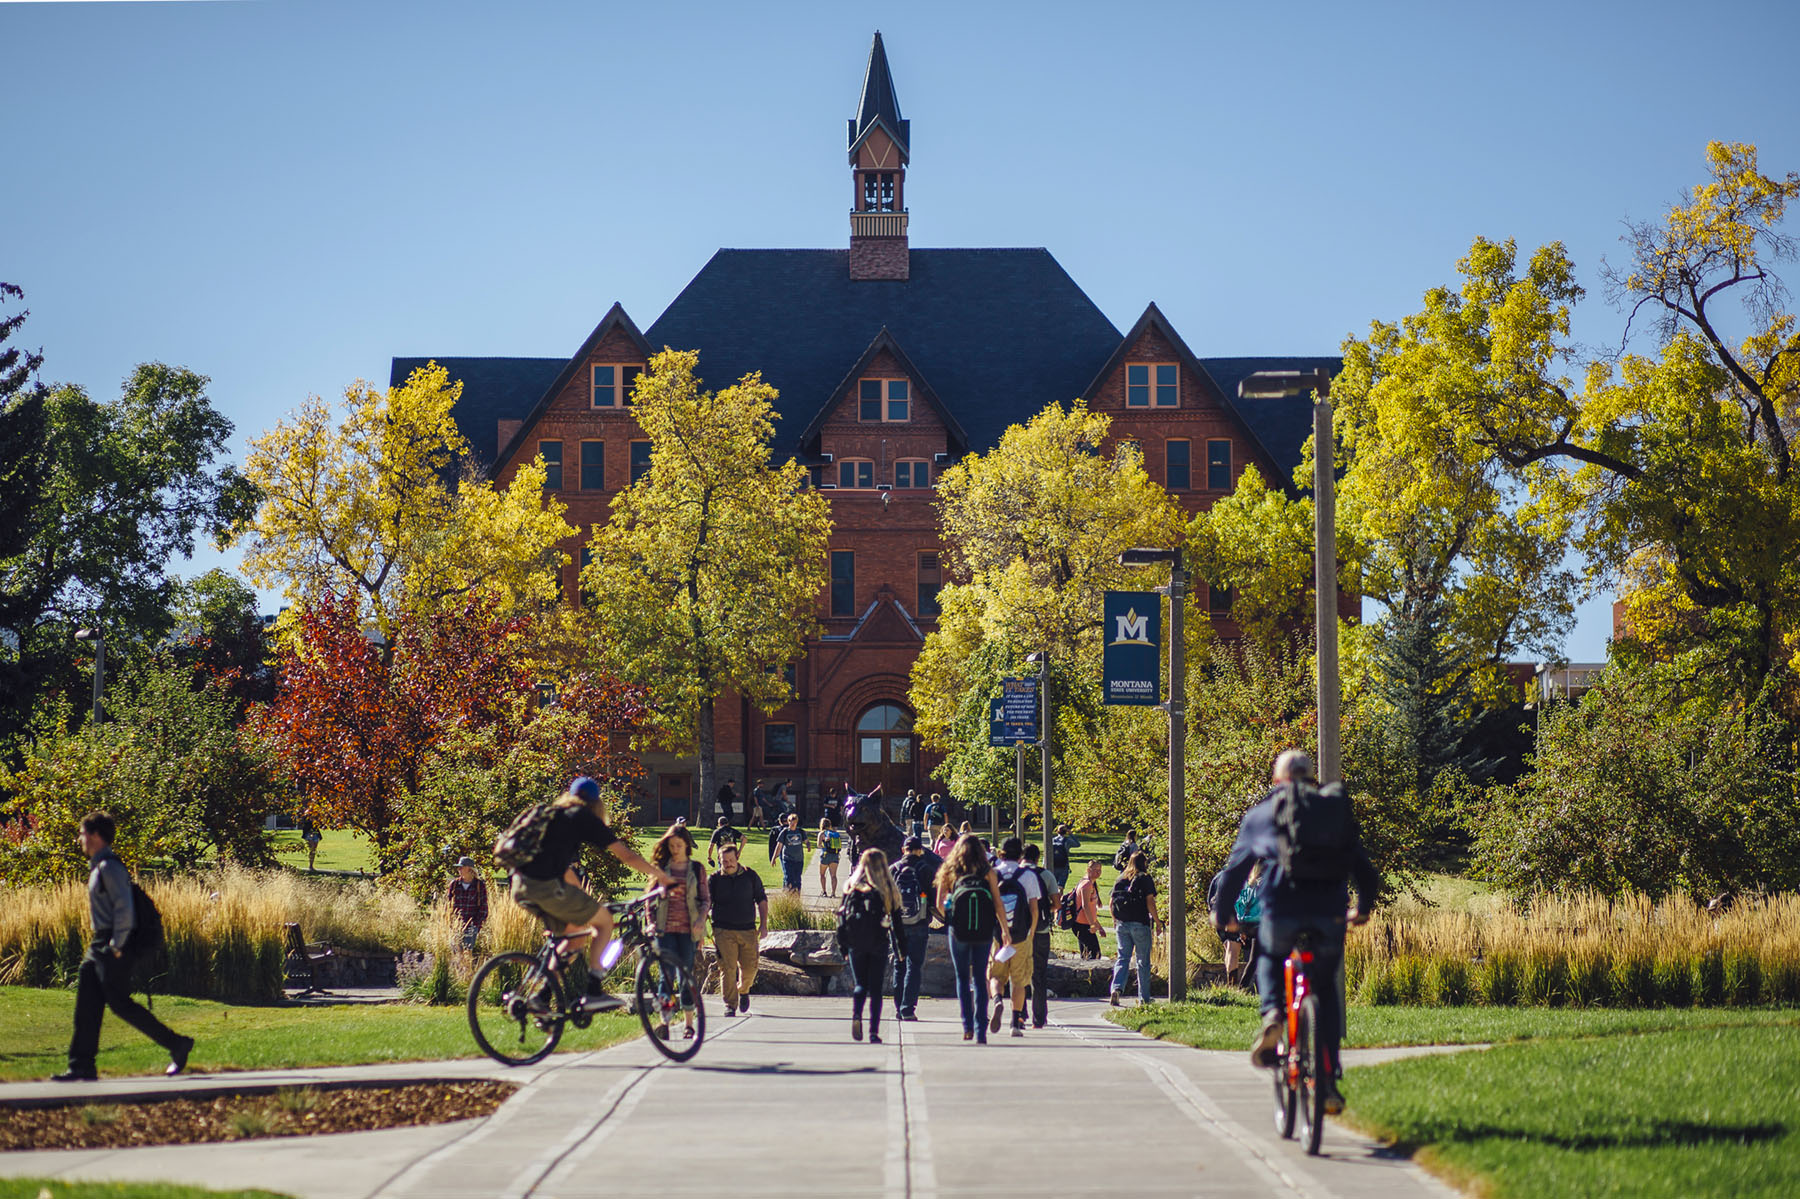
999 333
494 389
1281 425
879 105
959 440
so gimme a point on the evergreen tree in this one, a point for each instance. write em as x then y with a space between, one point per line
1431 693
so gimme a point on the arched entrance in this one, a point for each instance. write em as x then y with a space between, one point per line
884 749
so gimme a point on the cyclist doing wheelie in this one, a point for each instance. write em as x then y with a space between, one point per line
1308 837
541 848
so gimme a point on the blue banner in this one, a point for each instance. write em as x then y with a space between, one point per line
1131 660
1013 717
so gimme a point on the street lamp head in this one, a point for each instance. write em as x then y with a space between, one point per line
1040 656
1143 555
87 634
1269 385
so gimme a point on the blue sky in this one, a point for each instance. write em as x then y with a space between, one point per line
284 195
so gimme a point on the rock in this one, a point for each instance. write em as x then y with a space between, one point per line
783 944
1079 976
779 978
826 959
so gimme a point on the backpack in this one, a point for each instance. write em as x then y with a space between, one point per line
1019 909
524 837
147 932
1128 904
971 910
1315 831
1122 859
906 877
1065 911
862 922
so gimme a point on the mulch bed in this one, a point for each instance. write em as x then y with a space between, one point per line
300 1111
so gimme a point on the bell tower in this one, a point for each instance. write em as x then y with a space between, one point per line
880 146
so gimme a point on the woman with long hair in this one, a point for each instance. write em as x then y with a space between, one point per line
680 913
965 873
1134 916
830 846
866 924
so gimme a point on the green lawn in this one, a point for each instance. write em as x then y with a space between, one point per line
1681 1113
56 1188
35 1026
339 849
1225 1019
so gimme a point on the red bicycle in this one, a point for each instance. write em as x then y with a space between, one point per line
1301 1067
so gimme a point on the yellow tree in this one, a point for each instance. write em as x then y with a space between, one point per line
707 576
367 503
1032 532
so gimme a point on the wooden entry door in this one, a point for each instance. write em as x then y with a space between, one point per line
885 750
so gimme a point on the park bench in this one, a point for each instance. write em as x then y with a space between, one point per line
300 960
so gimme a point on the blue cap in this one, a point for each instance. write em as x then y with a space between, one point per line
585 788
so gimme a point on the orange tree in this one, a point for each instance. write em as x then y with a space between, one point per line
416 747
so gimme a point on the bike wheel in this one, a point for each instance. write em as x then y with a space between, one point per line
515 1009
1285 1099
662 984
1310 1049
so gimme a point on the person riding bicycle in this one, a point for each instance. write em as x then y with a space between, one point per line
1309 856
548 887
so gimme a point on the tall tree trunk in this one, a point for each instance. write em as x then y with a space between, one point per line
708 752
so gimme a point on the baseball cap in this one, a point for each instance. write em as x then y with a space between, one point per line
465 860
586 788
913 842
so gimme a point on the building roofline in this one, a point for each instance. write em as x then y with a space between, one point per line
615 318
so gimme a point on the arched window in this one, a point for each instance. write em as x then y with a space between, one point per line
885 718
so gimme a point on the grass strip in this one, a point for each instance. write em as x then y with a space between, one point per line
35 1025
1682 1113
1223 1018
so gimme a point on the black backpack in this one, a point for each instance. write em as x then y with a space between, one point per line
862 922
147 930
1315 832
1065 911
912 887
1019 910
971 910
1128 903
524 837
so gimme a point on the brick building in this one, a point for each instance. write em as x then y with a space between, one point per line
891 362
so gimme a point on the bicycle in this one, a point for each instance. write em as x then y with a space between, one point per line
519 1003
1301 1065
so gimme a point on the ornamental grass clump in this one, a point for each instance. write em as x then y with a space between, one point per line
1580 950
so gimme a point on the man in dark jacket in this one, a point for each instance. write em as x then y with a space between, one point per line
915 876
105 979
1290 907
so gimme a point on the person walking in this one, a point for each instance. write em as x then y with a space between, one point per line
679 914
1088 930
309 833
468 896
946 841
1050 897
1309 834
723 834
934 814
830 849
969 895
1019 895
789 840
740 919
915 876
728 800
865 929
1127 848
114 951
1060 845
1134 915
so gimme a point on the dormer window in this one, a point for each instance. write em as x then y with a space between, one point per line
887 400
612 384
1152 385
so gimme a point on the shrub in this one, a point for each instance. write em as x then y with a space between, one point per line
1743 976
1672 974
1708 987
1497 980
1446 982
1633 980
1590 978
1377 987
787 910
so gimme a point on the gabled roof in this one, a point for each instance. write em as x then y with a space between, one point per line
1279 428
494 389
959 441
879 106
615 318
1281 425
999 333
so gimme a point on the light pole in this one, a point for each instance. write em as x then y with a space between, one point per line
99 639
1043 659
1177 709
1272 385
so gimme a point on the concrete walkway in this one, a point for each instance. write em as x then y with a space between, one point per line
784 1103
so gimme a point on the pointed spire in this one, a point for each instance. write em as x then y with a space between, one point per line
879 105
